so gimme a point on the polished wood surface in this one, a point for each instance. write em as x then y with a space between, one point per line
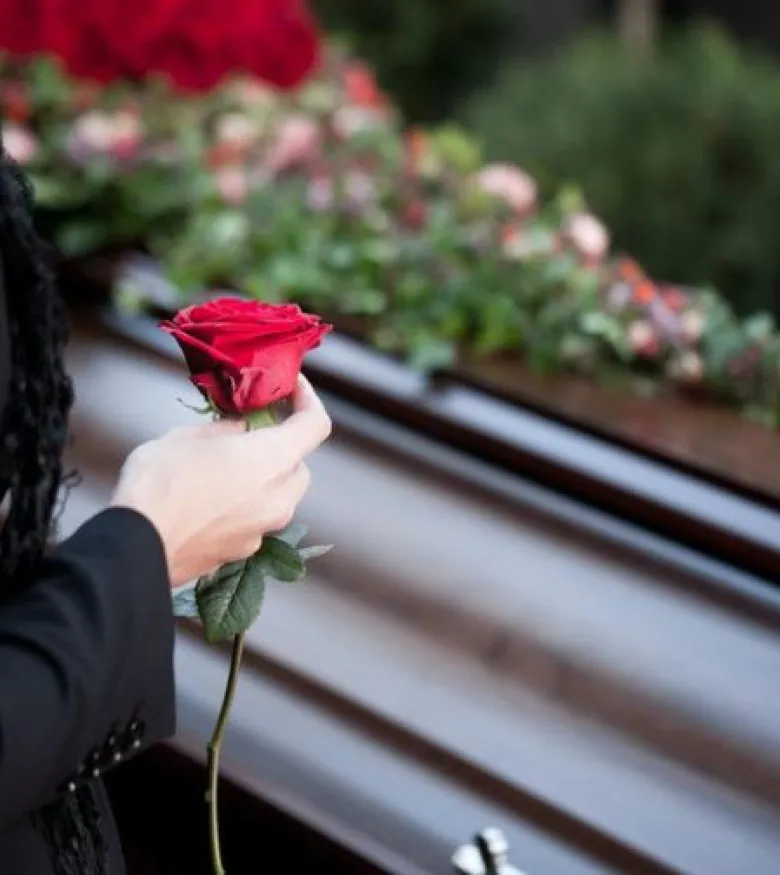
463 659
711 439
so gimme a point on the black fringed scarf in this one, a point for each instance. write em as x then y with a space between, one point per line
72 831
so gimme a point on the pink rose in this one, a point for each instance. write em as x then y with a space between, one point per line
692 326
588 236
643 339
509 184
20 143
100 133
232 184
297 141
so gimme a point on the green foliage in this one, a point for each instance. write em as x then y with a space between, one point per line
428 54
229 602
679 156
323 198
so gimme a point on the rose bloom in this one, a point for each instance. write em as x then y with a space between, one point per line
509 184
589 236
127 134
687 368
692 325
643 338
245 355
296 142
237 130
232 185
360 85
20 143
99 133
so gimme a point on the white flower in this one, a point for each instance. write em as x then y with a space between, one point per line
20 143
232 184
94 130
297 140
642 337
98 132
509 184
237 129
692 325
589 236
687 368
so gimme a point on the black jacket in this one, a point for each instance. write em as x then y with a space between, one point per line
86 676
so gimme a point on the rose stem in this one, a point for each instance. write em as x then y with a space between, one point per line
254 419
214 747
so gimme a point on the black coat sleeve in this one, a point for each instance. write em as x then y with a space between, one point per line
86 662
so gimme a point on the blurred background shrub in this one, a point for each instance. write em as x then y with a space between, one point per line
677 152
428 55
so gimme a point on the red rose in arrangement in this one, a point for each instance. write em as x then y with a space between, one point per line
245 355
194 43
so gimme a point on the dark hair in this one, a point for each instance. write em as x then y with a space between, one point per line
33 435
34 427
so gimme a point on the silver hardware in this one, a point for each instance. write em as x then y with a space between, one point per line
488 854
72 787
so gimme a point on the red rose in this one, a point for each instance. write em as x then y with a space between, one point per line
194 43
245 355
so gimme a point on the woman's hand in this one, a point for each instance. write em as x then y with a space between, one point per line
214 490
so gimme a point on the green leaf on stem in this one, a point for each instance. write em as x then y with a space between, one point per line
308 553
293 534
229 602
185 603
281 560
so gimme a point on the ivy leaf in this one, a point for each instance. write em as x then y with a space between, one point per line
185 603
280 560
230 601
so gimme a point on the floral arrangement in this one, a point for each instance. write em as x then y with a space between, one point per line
323 197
